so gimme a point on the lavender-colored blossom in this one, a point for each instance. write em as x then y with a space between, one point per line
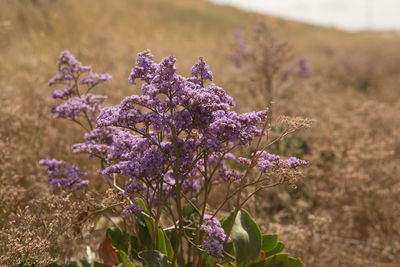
93 79
134 188
69 68
61 175
295 163
88 104
75 103
97 143
267 161
144 69
67 92
131 209
155 139
213 245
201 71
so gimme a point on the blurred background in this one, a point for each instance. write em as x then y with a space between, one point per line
353 15
336 62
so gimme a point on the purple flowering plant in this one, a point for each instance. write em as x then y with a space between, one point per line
166 152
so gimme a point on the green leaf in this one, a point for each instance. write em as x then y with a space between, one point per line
269 242
162 247
278 260
143 232
154 258
227 222
142 204
279 247
124 259
170 250
120 241
292 262
207 261
229 248
246 238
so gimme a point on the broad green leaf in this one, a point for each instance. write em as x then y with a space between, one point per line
162 247
279 247
269 242
143 232
246 238
227 222
142 204
292 262
229 248
278 260
169 249
120 240
154 258
124 259
207 261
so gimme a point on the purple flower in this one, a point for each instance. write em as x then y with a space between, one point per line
131 209
88 104
144 69
62 176
213 245
67 92
93 79
168 135
295 163
68 69
201 72
267 161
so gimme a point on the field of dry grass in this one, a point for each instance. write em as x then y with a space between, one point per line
346 209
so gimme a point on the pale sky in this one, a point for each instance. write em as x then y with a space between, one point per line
345 14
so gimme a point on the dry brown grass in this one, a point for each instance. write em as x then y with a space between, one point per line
345 211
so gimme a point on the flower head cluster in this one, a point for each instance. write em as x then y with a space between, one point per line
201 72
63 176
213 244
267 161
69 68
94 79
168 140
159 135
73 107
69 73
131 209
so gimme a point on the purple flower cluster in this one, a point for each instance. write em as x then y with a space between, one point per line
69 72
94 79
267 161
213 244
131 209
166 141
201 72
295 163
69 69
159 135
73 107
63 176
